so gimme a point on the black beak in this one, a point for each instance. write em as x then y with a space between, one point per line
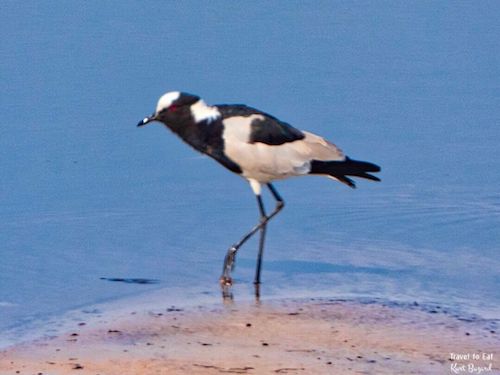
147 120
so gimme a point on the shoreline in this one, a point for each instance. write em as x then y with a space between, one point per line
289 336
191 297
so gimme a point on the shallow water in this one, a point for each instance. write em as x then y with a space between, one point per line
85 195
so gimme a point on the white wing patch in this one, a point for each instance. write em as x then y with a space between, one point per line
264 163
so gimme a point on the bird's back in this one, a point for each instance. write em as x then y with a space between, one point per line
267 148
264 128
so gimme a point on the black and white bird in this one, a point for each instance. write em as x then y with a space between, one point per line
258 147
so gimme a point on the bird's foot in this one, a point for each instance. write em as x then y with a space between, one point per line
226 280
257 291
229 262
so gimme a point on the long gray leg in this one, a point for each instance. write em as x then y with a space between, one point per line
263 220
229 260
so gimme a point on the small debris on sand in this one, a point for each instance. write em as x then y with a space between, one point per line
372 338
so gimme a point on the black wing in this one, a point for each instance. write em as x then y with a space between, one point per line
268 130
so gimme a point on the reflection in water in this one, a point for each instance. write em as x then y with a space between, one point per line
298 266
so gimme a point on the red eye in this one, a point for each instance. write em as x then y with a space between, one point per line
172 108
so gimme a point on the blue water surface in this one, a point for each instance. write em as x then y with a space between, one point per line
85 195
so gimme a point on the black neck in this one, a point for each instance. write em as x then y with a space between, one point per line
204 136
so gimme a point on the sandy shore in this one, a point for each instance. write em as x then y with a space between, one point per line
318 336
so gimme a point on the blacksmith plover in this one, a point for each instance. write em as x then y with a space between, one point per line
258 147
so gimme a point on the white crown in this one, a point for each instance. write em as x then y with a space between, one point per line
166 100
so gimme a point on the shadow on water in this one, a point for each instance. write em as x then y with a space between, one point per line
299 266
131 280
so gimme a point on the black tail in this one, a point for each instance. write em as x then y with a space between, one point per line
348 167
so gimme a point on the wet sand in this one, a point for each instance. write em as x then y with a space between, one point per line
315 336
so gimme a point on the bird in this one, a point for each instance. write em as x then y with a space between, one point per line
258 147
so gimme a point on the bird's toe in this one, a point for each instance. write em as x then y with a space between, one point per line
226 280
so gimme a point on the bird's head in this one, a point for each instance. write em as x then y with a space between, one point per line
177 107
